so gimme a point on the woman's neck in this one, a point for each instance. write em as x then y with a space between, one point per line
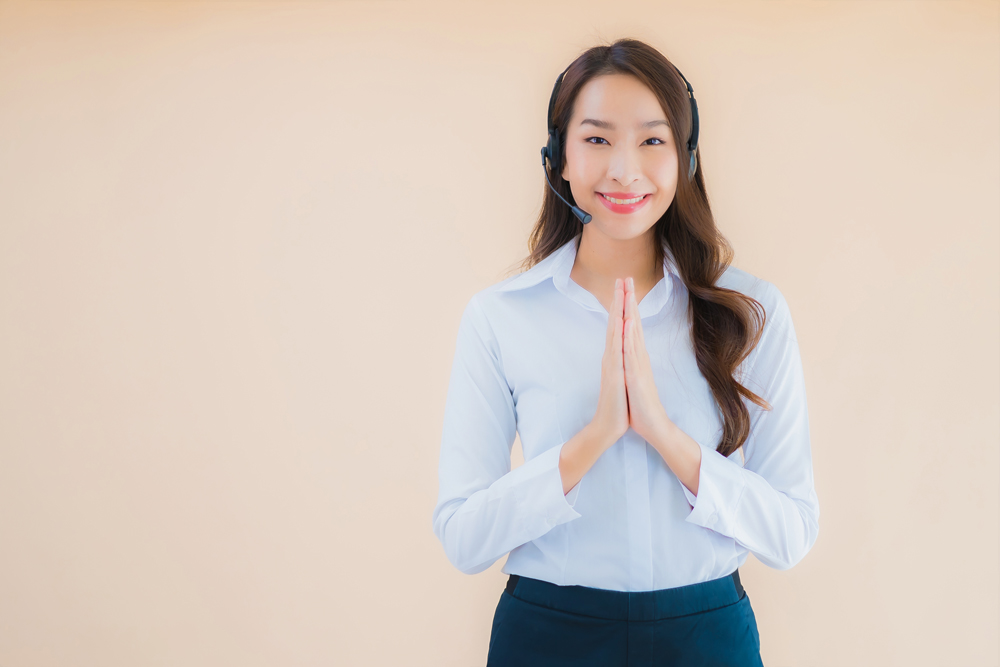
600 260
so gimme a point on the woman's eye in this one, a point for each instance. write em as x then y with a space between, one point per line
596 141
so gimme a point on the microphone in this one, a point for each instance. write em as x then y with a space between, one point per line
577 211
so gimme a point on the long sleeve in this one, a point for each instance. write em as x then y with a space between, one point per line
769 505
484 509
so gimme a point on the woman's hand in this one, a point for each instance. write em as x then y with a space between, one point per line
611 419
647 416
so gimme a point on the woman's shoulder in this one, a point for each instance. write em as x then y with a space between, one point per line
514 289
492 303
487 298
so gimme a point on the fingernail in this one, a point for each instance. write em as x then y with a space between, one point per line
631 283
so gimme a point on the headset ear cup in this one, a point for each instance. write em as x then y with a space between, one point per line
554 148
551 149
694 165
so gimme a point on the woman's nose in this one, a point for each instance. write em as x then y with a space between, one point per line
624 166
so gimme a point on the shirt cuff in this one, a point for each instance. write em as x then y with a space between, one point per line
557 506
720 487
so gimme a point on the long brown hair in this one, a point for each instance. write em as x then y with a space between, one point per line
726 325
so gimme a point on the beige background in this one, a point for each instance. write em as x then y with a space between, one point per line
236 239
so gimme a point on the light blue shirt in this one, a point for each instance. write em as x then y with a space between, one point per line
528 361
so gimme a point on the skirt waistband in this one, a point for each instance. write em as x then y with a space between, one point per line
627 605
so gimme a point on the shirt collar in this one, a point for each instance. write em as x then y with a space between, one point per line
559 264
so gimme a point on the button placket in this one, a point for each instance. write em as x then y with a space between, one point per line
640 544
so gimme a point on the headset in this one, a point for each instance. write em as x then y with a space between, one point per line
553 150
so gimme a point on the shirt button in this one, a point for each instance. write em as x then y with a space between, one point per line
712 518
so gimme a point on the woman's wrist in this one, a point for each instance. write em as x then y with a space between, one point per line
601 437
665 434
580 453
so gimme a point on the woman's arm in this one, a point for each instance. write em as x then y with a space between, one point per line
769 504
484 509
580 453
611 418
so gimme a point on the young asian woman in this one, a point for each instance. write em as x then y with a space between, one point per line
658 393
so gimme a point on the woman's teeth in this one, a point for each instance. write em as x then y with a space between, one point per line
623 201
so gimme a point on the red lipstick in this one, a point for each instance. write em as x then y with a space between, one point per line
623 208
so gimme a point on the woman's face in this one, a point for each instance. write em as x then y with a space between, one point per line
618 145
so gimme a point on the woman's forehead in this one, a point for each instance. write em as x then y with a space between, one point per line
617 100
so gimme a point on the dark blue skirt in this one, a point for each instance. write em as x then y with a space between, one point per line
540 623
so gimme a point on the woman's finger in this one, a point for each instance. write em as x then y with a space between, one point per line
640 336
628 344
639 341
617 344
617 306
632 306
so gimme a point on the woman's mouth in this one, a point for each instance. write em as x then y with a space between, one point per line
623 202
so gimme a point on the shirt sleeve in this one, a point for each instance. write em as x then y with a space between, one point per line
768 505
484 509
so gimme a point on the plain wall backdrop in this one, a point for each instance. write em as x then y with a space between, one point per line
236 239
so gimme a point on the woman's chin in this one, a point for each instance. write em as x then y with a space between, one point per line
621 230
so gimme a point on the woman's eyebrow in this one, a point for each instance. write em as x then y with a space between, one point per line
603 124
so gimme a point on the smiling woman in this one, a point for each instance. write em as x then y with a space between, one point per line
635 362
598 150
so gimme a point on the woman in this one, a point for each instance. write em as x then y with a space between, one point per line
634 361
